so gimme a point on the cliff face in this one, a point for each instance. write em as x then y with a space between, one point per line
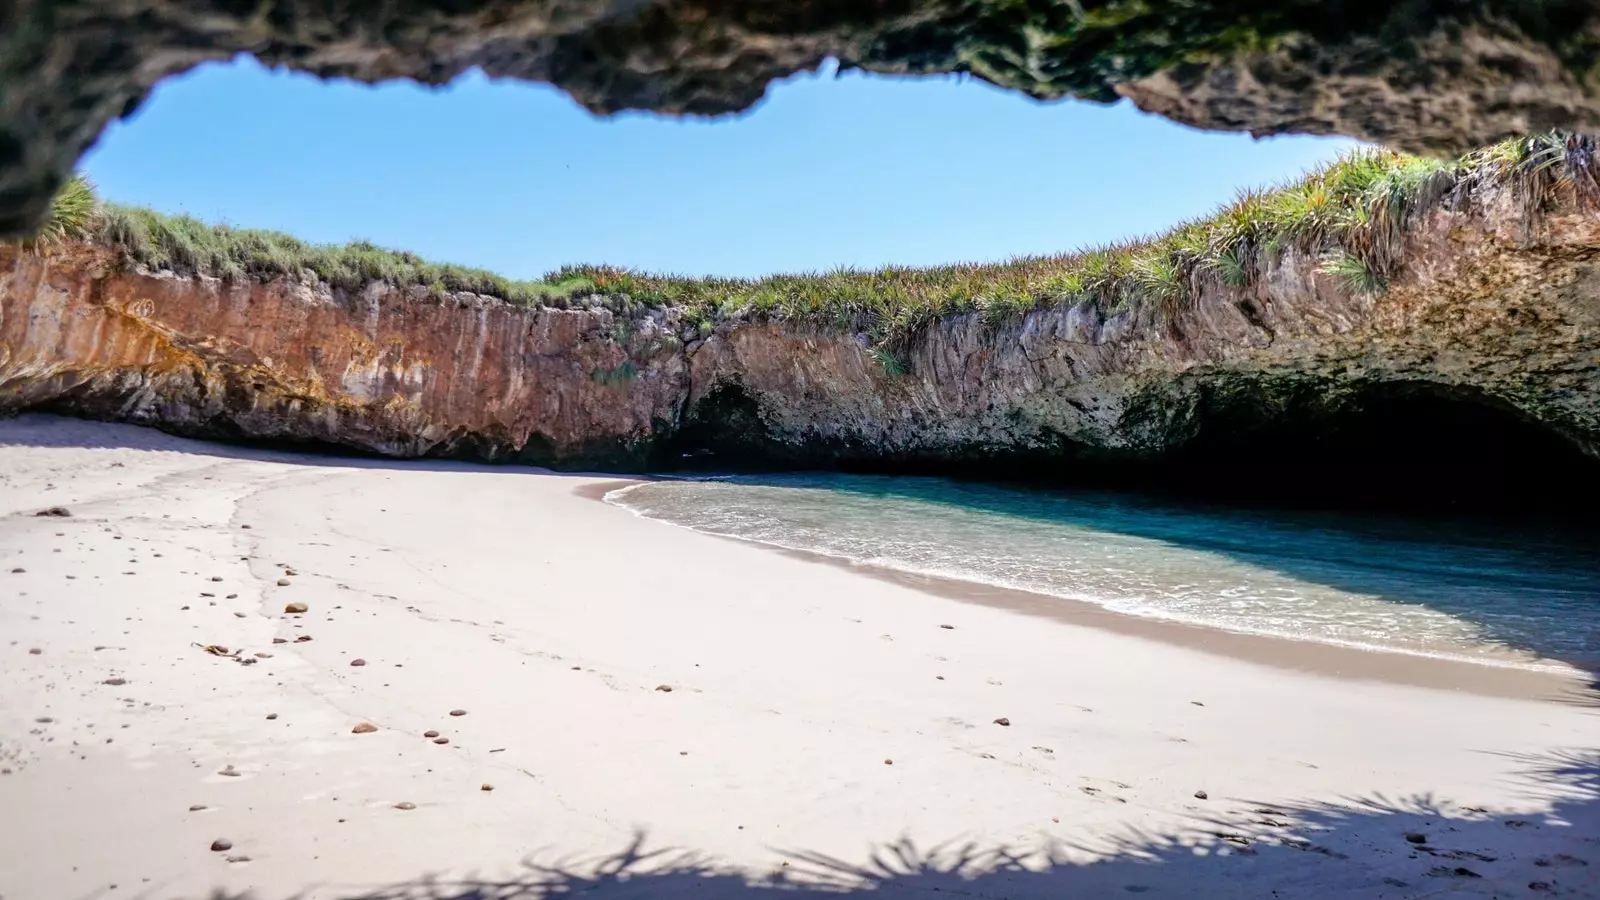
1492 308
1437 75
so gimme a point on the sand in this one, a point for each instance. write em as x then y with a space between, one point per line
666 714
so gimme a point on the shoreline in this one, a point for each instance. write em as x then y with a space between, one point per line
445 679
1388 666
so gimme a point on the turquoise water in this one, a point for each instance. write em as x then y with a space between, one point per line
1497 595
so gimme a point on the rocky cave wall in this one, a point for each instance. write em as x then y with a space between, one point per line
1435 76
1494 315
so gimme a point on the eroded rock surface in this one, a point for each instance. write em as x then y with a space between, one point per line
1492 307
1437 76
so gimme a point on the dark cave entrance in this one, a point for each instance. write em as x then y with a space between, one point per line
1390 447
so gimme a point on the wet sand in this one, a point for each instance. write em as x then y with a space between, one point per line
1560 682
771 726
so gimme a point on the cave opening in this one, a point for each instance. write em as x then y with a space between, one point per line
1389 448
722 431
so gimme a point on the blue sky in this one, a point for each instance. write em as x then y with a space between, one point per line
828 171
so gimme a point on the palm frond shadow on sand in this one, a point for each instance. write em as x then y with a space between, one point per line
1356 848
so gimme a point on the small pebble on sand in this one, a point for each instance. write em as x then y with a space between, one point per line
664 688
364 728
405 804
888 762
458 712
216 578
262 654
238 615
271 716
115 682
197 807
221 844
1003 721
1416 838
430 734
1200 795
18 571
280 640
35 651
358 662
948 627
441 740
486 787
283 582
296 608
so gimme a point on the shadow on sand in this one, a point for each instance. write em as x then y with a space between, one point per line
1363 848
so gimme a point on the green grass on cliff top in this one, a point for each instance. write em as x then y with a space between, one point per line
1352 214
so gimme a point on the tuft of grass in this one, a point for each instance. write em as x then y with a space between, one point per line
1230 265
1353 273
72 213
187 245
891 364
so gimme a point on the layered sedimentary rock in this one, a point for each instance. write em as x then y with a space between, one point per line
1492 307
1437 76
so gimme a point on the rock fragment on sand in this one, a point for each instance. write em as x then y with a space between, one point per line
283 582
1200 795
280 640
458 712
1003 722
1416 837
221 844
216 578
115 682
358 662
59 512
296 608
197 807
888 762
364 728
486 787
34 651
664 688
229 771
441 740
948 627
271 716
262 654
430 734
18 570
405 804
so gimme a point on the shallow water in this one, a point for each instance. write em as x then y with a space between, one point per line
1500 595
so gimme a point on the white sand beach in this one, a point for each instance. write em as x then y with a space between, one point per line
662 713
